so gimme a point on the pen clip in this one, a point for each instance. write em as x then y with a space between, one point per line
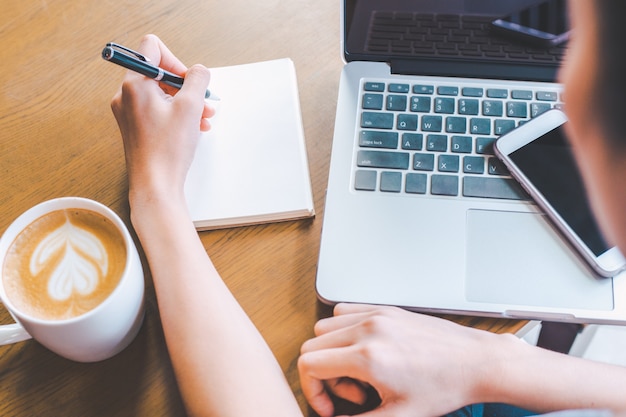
124 50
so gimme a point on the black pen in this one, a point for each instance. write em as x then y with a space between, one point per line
134 61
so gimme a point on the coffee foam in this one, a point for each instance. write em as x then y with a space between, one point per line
85 262
64 264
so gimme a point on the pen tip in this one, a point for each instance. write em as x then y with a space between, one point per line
209 95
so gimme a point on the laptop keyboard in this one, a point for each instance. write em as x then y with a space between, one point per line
449 36
433 138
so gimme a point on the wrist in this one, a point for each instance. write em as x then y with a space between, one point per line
152 205
497 371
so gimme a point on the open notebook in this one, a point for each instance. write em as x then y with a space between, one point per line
252 166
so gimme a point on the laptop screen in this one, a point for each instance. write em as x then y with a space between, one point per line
444 37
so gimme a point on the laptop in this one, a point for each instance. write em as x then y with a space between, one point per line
419 213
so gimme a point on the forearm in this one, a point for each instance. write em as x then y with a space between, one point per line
543 381
222 363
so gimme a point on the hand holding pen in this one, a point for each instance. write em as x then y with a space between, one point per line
161 130
135 61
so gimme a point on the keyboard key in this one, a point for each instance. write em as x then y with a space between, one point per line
365 180
431 123
420 104
416 183
407 122
412 141
504 188
516 109
391 182
456 124
377 120
480 126
522 94
372 101
379 87
497 93
496 167
423 162
448 91
547 95
493 108
444 185
448 163
484 146
473 164
437 143
383 159
423 89
461 144
396 102
468 106
500 127
472 92
444 105
537 108
398 88
374 139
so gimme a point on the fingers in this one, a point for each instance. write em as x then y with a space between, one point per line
341 335
351 323
348 315
346 308
317 397
159 54
344 388
192 95
348 389
335 360
333 324
350 308
196 83
332 370
312 382
208 112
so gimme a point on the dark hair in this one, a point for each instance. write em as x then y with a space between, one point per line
611 69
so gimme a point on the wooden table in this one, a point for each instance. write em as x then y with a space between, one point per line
58 137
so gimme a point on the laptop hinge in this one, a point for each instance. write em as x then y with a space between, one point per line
455 68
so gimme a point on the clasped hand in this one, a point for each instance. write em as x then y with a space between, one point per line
419 365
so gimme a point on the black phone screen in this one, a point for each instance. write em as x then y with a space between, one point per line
549 16
549 164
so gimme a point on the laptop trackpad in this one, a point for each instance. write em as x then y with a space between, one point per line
517 258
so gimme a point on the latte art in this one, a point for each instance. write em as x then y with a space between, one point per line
64 264
83 264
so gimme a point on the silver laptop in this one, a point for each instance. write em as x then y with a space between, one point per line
419 213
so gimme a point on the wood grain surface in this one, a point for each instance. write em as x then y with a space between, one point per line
58 138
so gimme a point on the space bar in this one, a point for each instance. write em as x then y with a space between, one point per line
505 188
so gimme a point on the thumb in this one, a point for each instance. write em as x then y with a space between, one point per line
196 82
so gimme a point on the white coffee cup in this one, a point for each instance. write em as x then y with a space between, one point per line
97 334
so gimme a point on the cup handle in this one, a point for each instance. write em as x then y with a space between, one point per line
12 333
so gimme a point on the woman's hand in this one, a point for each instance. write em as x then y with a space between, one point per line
419 365
161 125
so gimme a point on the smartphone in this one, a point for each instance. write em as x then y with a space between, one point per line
543 24
538 155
